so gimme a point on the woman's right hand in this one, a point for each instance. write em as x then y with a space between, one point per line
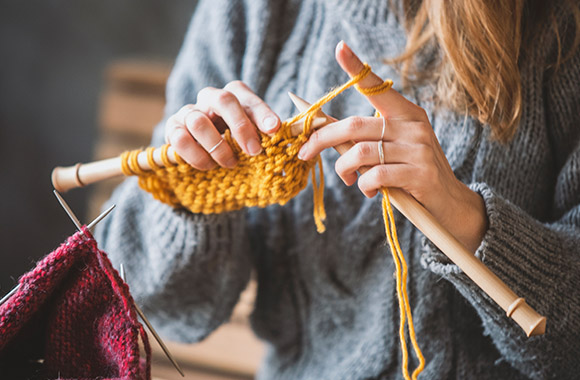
195 131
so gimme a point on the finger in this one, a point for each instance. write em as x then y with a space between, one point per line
349 129
366 154
186 146
389 103
227 106
177 120
257 110
379 176
357 129
205 133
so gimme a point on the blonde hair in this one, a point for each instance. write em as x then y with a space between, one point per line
480 44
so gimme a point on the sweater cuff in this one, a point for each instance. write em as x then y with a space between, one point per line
515 247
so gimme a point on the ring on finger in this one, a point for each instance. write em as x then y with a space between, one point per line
215 146
384 127
381 153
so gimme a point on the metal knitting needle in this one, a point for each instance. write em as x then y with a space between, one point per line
100 217
69 211
77 224
151 329
74 219
5 298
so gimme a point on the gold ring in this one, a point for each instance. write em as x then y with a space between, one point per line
215 146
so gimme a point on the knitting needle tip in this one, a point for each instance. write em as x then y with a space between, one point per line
100 217
68 210
300 103
319 120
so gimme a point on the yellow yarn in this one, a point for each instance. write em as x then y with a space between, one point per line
274 176
401 281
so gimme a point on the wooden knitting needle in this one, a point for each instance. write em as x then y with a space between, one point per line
150 327
77 224
79 175
515 307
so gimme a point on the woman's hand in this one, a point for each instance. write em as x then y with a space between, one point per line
195 130
412 158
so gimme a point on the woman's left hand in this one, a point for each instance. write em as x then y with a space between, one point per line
411 158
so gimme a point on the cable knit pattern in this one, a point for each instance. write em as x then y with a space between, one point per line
72 318
326 304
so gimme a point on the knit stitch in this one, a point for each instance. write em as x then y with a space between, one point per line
72 318
275 175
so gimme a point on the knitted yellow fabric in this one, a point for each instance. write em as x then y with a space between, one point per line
274 176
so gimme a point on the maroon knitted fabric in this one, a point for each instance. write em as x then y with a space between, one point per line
72 318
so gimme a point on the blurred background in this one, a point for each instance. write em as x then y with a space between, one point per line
84 80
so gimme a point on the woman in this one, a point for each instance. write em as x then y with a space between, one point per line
484 137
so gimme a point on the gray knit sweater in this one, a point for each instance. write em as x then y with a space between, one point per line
326 304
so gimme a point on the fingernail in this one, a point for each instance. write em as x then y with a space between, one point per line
231 162
303 151
270 123
254 147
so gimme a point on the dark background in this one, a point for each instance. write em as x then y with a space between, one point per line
53 57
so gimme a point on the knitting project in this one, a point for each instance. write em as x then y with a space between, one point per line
72 318
274 176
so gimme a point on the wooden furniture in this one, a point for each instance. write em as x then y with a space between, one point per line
132 104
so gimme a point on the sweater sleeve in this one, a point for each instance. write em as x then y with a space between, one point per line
538 260
185 270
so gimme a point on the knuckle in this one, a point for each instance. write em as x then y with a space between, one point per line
241 127
204 93
235 84
381 172
195 122
225 98
185 108
363 150
355 124
171 123
179 138
315 139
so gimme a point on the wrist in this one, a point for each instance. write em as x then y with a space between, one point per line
471 219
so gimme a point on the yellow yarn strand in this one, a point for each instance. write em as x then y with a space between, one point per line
274 176
402 294
400 264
